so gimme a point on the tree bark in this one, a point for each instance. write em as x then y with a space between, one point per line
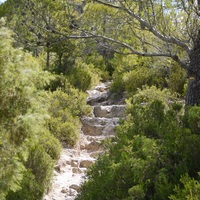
47 59
193 93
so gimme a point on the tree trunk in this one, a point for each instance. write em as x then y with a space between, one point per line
193 93
47 59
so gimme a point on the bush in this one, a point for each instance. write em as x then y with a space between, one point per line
189 188
27 149
193 119
65 108
177 79
152 150
37 177
137 78
99 63
133 72
65 127
83 76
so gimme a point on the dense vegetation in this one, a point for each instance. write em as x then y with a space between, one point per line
51 52
35 119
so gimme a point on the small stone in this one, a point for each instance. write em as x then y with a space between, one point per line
72 192
68 162
76 170
74 163
75 187
102 89
86 163
82 147
57 168
95 154
93 146
64 190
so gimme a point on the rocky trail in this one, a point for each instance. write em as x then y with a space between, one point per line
73 162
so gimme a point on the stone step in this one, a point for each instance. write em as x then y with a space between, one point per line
98 97
95 126
109 111
91 146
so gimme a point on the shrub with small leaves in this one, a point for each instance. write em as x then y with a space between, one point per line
65 108
83 76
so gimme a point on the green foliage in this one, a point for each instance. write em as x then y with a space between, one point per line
155 152
137 192
27 148
98 62
136 78
189 188
193 119
152 150
177 78
133 72
65 108
37 177
83 76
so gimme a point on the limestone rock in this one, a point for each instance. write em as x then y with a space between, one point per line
109 111
57 168
98 98
74 163
69 172
75 187
98 126
76 170
64 190
86 163
93 146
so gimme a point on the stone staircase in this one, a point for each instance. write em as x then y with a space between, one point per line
70 169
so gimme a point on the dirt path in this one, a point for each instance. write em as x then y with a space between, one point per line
70 169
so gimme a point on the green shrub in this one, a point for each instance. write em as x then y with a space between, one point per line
99 63
137 78
65 127
152 150
36 179
83 76
133 72
65 108
57 82
189 188
27 149
177 79
50 144
136 192
193 119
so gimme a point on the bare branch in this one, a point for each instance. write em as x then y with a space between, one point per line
162 37
108 4
157 34
133 51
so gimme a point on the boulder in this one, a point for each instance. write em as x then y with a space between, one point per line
98 97
96 126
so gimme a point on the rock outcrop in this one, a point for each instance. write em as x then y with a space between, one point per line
69 171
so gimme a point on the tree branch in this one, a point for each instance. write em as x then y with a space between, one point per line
171 40
108 4
157 34
133 51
